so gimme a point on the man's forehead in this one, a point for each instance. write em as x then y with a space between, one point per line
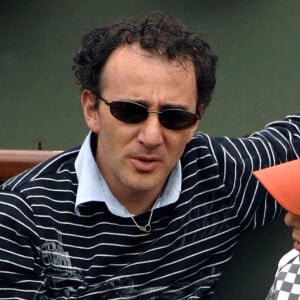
122 55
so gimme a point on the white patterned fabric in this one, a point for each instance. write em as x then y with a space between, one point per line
286 285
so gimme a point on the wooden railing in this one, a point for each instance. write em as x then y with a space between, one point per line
13 162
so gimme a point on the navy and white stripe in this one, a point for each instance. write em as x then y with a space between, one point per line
47 251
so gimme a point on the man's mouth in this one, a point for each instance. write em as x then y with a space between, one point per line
144 163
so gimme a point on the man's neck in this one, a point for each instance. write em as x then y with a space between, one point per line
139 202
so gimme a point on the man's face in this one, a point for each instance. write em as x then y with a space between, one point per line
294 222
136 159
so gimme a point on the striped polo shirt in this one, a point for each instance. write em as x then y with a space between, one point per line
48 251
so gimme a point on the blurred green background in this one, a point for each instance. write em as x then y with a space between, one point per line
257 43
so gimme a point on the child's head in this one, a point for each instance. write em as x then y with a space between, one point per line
283 183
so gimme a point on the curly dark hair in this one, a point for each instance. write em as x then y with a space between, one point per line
157 33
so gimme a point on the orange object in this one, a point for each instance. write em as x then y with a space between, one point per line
283 183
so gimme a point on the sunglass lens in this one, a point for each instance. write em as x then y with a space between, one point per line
128 112
177 119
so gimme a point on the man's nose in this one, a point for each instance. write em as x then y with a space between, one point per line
150 133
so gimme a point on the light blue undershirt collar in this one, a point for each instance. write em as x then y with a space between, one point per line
92 186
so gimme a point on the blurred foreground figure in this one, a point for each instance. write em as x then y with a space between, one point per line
283 182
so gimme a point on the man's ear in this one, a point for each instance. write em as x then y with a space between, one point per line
193 130
200 112
90 111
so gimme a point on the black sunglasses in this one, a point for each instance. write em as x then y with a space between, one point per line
133 112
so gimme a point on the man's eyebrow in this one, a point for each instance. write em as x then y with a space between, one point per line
174 106
164 106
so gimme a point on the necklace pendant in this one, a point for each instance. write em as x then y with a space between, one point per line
147 228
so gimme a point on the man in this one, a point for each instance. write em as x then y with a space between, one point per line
145 208
283 182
